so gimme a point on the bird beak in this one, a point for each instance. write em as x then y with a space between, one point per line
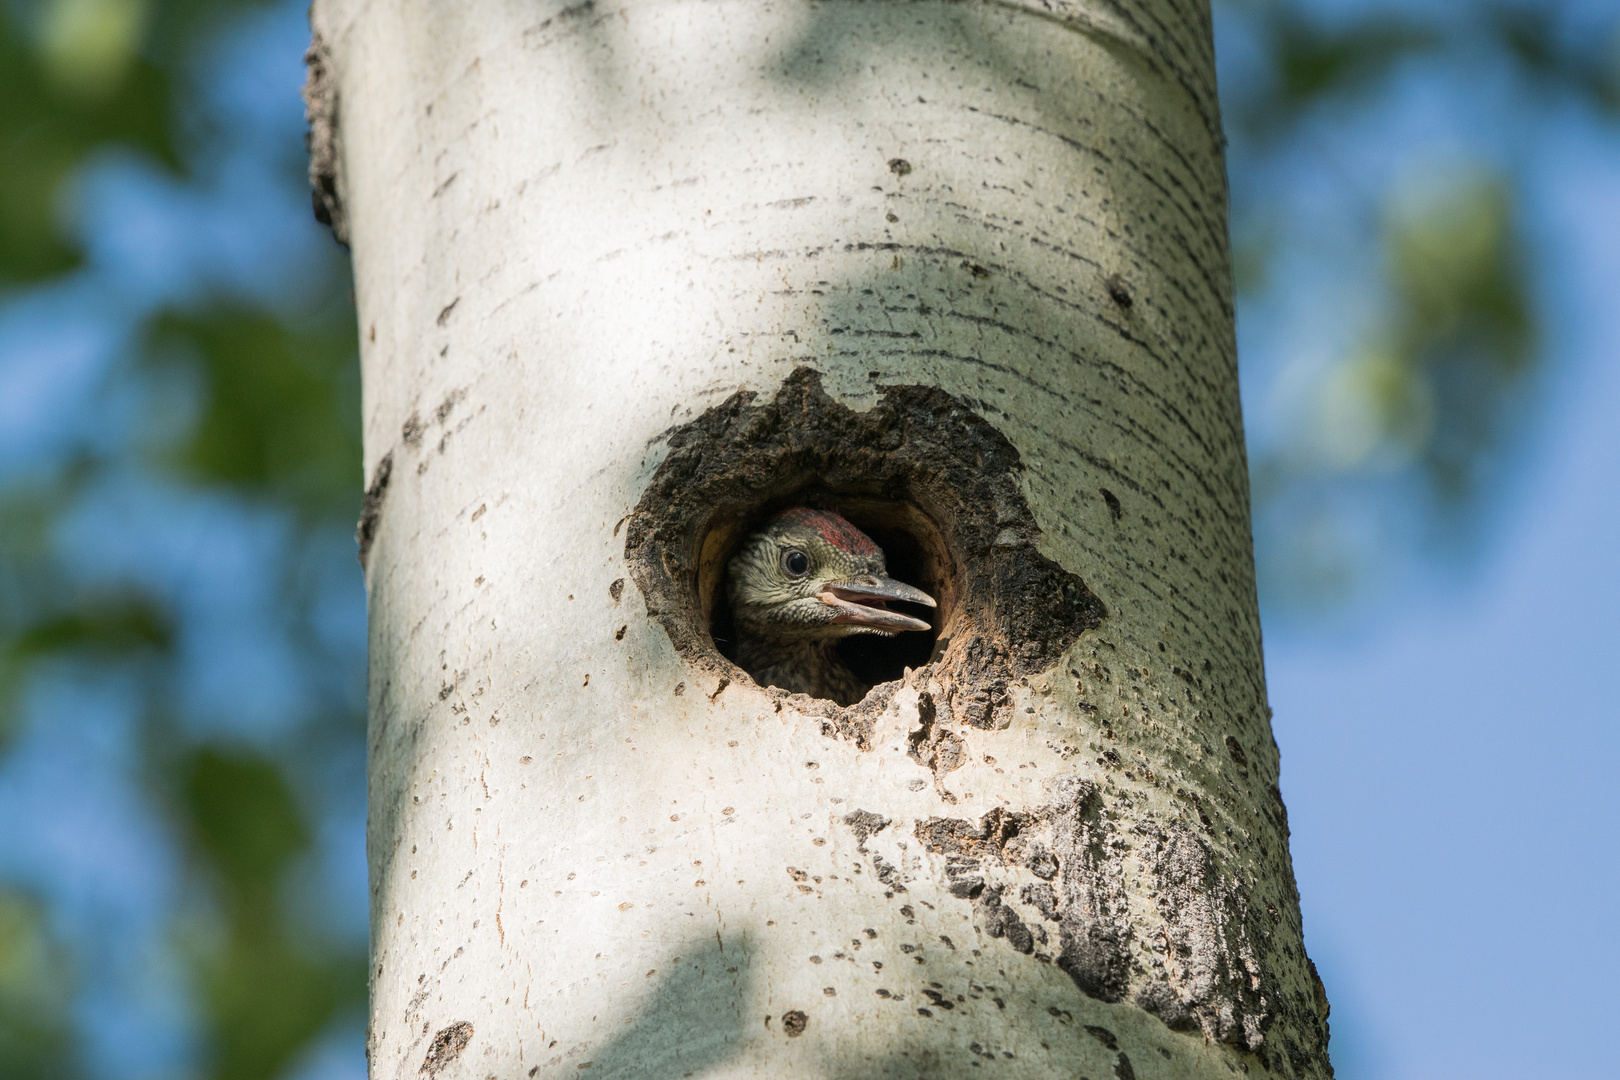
860 602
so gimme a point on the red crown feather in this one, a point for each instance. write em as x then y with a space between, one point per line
831 528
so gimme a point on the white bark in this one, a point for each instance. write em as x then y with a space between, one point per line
576 226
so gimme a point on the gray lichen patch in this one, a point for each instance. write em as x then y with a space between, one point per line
920 472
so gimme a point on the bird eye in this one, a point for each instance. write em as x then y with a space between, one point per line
795 562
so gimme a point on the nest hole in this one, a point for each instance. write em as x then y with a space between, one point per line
914 550
935 485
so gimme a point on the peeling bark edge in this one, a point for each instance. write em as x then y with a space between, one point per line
365 530
323 139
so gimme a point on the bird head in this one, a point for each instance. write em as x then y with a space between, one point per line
811 574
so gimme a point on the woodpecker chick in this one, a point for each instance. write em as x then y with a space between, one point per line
801 584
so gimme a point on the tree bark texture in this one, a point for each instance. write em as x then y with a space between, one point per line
631 275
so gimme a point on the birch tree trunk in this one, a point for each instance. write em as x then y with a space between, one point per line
631 276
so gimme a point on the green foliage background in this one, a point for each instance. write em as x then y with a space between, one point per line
234 390
222 391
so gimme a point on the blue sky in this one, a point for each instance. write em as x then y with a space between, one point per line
1448 761
1448 737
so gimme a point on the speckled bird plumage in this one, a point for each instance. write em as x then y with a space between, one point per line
797 587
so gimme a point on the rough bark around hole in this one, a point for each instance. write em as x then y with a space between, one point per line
1011 612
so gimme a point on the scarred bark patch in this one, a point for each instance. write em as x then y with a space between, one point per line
1066 863
447 1045
321 111
365 531
1217 983
920 470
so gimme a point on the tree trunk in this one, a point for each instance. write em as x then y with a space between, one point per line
631 277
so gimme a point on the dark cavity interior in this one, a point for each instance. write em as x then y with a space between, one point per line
913 548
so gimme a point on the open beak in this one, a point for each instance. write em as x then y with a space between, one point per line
862 602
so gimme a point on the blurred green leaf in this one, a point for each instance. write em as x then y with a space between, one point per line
1308 61
1585 65
1436 393
280 417
1464 334
102 628
266 999
49 125
107 625
78 78
245 822
44 616
1437 384
1313 61
266 990
87 45
276 418
36 986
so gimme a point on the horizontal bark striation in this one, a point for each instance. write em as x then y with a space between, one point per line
1174 38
